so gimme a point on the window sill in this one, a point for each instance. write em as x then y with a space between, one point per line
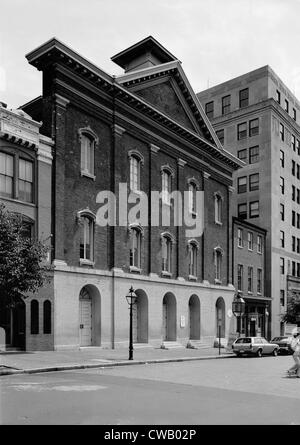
219 223
218 281
135 269
136 192
250 293
192 278
5 198
88 175
166 274
84 262
240 247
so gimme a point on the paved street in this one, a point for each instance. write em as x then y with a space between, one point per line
250 391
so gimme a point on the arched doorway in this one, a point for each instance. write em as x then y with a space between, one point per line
194 317
169 317
220 317
140 317
89 316
13 320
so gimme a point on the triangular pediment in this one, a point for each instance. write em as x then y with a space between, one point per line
166 88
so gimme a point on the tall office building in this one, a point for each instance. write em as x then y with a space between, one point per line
256 117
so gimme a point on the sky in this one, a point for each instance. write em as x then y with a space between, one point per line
215 40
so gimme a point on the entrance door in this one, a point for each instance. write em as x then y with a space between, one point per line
135 322
165 322
85 322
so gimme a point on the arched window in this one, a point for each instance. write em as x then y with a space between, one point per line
166 252
193 257
34 317
192 197
218 208
218 253
136 160
87 153
87 238
166 185
47 317
135 248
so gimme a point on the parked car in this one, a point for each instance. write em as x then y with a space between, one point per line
284 343
254 346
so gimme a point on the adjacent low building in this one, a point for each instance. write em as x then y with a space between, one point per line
25 189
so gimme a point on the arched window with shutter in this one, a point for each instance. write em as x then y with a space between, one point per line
34 317
47 317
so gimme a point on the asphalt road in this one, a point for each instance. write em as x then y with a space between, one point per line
236 391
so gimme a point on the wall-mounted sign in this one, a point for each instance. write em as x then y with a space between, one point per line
182 321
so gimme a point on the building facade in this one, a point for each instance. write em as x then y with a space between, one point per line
248 270
256 117
118 142
25 189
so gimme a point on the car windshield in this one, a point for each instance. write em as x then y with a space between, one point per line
279 338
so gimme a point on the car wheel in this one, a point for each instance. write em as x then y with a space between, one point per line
275 352
259 353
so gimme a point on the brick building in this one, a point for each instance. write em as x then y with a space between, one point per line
256 117
138 133
248 270
25 189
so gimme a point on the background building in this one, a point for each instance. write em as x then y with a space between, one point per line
25 189
256 117
145 129
248 260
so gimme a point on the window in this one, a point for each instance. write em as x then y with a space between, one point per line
293 243
294 114
244 98
242 184
281 132
281 158
259 281
34 317
225 104
298 245
298 269
135 248
253 154
193 260
240 272
298 171
293 168
281 266
135 166
298 146
25 180
293 218
250 241
242 211
282 297
298 196
250 279
294 268
220 134
293 193
218 208
282 238
47 317
254 209
293 141
87 239
240 238
218 264
282 212
192 197
259 244
253 127
87 154
286 103
278 96
166 186
6 175
166 254
209 110
282 185
254 182
242 131
242 155
298 221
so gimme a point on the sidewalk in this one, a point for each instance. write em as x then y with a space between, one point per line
96 357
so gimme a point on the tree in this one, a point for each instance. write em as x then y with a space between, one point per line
23 268
292 314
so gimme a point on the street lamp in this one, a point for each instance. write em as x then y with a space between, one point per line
131 299
238 309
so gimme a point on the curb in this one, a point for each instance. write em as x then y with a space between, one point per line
110 364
